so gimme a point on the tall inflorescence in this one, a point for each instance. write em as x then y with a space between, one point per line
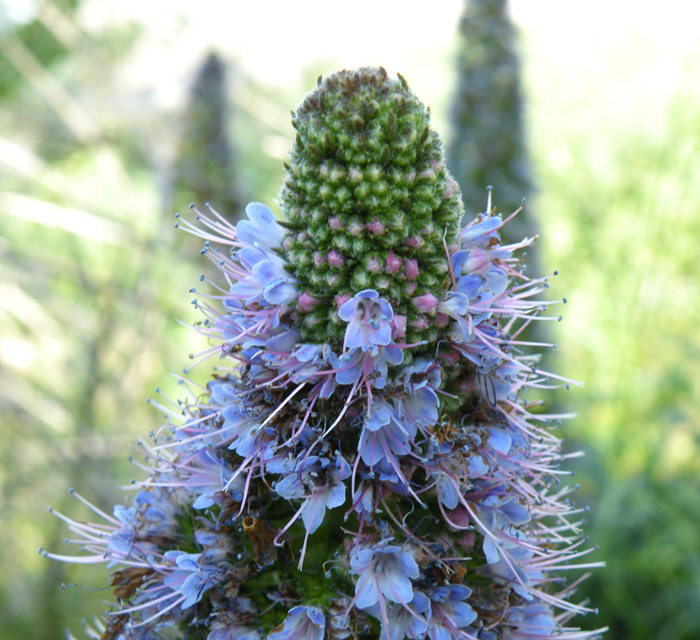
487 141
206 159
487 134
362 462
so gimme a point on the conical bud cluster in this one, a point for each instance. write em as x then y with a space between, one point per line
368 203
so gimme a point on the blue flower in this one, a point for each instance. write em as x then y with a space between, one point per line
261 228
531 622
417 403
447 483
481 286
242 430
207 475
265 278
450 612
223 391
301 623
235 632
190 576
500 382
447 459
404 621
306 482
501 515
481 233
513 568
300 362
249 328
152 516
383 434
371 365
385 571
369 321
455 304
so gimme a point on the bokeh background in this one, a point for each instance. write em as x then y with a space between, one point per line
113 115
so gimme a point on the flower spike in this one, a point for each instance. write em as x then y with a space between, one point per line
362 462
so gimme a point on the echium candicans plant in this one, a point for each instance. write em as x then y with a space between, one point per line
362 463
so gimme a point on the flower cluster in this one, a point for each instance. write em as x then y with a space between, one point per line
363 485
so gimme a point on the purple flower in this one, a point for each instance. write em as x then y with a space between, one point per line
499 383
481 233
248 328
241 428
223 391
515 569
500 440
447 483
456 306
363 498
489 282
480 276
449 469
369 321
301 623
385 572
300 363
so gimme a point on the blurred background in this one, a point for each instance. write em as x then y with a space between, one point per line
113 115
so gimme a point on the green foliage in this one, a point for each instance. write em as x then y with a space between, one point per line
625 231
42 44
647 529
